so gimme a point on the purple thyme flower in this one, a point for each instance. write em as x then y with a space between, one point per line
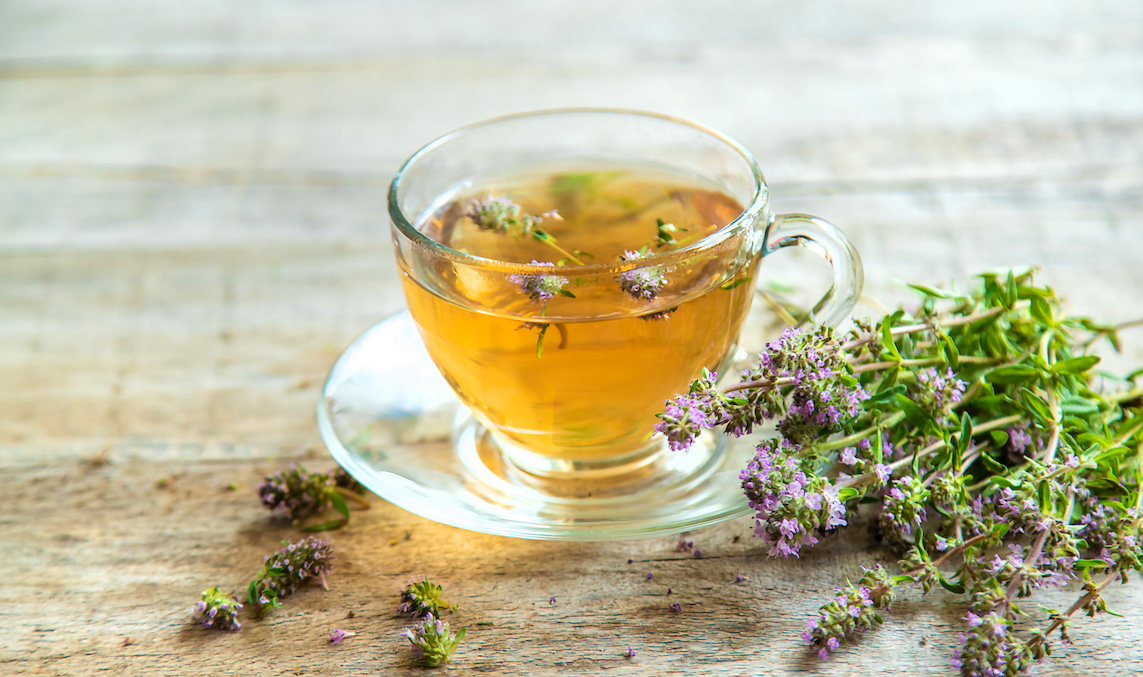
854 608
988 650
884 472
810 365
649 576
793 503
938 393
297 492
500 214
630 652
903 507
540 287
420 598
701 408
1095 526
643 284
218 610
552 600
336 636
676 607
682 420
820 402
848 456
684 545
1018 440
433 642
294 565
1018 508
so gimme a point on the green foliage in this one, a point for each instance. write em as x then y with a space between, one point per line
1034 469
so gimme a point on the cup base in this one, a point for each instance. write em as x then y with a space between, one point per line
392 422
654 468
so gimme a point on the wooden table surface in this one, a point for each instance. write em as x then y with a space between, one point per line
193 226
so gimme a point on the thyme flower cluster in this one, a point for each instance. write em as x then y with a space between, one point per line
793 506
987 649
995 460
642 284
295 565
423 597
297 492
855 607
800 379
432 641
300 493
217 610
500 214
540 287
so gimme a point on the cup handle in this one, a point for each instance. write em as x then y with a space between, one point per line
822 238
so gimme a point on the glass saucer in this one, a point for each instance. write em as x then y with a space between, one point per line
390 419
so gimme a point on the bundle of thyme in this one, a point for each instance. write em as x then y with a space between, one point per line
997 460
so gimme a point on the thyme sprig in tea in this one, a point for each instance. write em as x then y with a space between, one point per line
499 214
984 438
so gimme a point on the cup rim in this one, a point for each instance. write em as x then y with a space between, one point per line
757 203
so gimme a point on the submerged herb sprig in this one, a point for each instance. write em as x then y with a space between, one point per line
642 284
295 565
976 428
500 214
300 493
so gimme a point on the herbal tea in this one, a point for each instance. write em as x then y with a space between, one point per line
564 361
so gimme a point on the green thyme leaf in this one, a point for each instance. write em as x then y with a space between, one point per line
339 504
1075 365
1013 374
939 293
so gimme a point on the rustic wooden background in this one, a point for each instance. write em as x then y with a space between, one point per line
192 227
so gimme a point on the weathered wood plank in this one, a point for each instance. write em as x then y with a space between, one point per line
78 588
210 31
807 118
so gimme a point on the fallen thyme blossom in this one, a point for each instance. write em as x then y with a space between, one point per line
296 564
421 598
217 610
433 643
299 493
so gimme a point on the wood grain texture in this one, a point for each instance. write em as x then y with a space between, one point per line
192 227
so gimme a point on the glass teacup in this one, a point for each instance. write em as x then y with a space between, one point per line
565 360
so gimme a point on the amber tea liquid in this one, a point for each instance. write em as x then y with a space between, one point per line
589 388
